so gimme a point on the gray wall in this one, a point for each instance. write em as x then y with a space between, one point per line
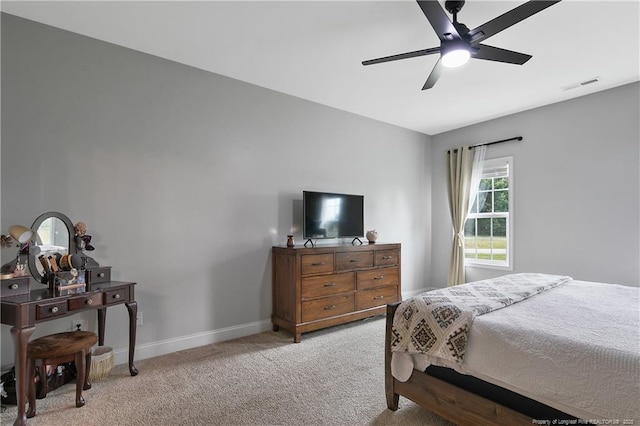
186 179
576 187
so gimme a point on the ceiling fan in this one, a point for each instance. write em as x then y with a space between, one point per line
458 43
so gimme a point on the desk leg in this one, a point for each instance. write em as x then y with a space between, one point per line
133 322
102 316
20 340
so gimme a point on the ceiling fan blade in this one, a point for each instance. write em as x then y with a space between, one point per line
508 19
439 20
497 54
436 72
399 56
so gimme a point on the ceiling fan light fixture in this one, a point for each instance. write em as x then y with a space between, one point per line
455 57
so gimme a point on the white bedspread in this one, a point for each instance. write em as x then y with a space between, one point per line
575 348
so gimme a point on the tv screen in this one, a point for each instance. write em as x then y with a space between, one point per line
331 215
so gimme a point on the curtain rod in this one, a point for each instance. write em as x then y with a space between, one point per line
516 138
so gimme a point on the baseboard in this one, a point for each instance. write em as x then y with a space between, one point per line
163 347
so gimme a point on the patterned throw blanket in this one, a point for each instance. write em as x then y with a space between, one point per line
437 322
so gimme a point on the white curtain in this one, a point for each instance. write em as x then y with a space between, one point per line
465 171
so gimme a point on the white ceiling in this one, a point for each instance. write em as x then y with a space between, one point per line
313 50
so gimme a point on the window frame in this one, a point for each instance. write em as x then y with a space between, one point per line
506 265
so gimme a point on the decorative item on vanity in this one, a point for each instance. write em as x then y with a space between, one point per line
5 240
23 236
290 241
83 241
372 236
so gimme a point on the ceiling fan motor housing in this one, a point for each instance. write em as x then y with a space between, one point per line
453 6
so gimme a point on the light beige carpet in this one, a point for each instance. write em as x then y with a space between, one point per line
334 377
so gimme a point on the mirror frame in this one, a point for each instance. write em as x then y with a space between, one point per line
70 230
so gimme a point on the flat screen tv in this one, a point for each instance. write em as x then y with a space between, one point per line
332 215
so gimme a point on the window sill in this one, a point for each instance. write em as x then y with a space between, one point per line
489 266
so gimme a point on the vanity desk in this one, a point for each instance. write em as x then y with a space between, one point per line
26 301
23 312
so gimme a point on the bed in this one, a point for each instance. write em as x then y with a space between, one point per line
569 353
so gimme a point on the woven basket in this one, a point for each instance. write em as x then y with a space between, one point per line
101 362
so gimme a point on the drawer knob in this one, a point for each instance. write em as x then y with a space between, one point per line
14 286
326 308
55 310
386 257
330 285
378 297
379 277
90 302
353 261
317 264
101 275
116 296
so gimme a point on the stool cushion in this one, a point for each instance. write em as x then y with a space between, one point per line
61 344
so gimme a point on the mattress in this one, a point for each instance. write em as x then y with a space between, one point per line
575 348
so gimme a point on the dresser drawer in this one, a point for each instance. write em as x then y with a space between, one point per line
116 296
317 263
85 301
326 285
350 260
387 257
51 310
376 297
327 307
377 278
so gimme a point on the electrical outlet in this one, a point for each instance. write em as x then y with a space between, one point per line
139 319
78 324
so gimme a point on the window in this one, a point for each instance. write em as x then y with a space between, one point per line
487 231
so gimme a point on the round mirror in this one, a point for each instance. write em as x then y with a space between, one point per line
53 234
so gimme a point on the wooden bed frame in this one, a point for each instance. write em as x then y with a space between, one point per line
444 399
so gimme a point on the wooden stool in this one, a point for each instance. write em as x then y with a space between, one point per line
56 349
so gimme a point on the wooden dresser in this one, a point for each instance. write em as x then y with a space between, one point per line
319 287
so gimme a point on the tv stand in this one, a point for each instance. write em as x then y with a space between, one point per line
315 288
356 239
309 240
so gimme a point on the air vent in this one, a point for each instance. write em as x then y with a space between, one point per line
581 84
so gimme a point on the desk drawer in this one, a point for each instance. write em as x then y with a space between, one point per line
377 278
85 301
327 307
51 310
118 295
14 286
346 261
98 275
317 263
376 297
